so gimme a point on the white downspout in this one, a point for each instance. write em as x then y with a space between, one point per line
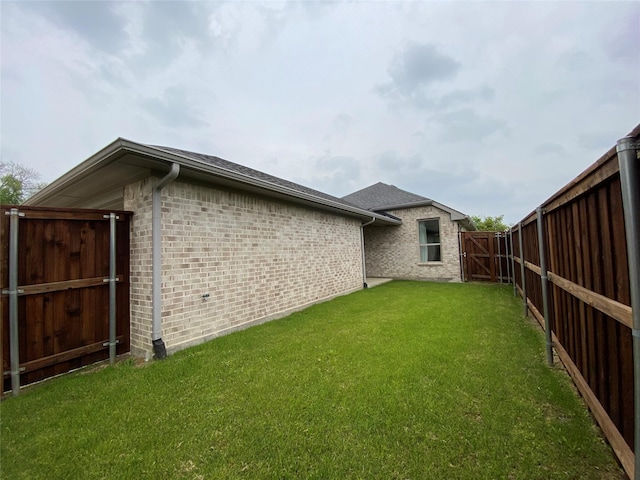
364 265
159 349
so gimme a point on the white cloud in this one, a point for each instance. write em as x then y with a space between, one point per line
483 109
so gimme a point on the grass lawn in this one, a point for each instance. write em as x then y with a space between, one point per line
408 380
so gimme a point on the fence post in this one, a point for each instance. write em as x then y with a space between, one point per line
462 257
513 262
630 184
497 235
112 286
524 283
13 291
506 254
545 285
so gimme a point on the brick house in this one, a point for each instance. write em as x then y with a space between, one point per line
216 246
424 247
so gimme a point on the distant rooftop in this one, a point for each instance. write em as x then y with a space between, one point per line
381 197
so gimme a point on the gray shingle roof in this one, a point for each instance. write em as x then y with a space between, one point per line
382 197
250 172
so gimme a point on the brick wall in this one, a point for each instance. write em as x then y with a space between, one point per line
256 258
394 252
137 198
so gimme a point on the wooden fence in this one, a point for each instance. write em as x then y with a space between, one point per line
63 290
588 292
485 257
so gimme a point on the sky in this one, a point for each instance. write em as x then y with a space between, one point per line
486 107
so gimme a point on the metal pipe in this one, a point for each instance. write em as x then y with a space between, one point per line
112 288
522 279
14 339
506 254
629 164
513 262
461 254
364 264
159 348
545 285
497 235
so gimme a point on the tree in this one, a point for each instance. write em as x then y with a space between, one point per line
489 224
17 183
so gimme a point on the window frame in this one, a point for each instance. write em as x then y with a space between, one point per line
428 244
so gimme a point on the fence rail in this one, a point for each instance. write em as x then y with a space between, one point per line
588 293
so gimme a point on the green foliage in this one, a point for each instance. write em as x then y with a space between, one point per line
10 190
490 224
405 380
17 183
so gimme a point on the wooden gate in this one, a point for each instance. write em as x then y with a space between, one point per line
485 257
63 289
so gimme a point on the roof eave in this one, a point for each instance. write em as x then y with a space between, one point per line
77 173
456 216
271 187
121 147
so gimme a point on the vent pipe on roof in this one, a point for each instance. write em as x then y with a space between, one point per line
159 349
364 265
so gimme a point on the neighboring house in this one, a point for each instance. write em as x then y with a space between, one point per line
425 246
216 246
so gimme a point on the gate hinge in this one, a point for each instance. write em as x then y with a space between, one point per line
108 344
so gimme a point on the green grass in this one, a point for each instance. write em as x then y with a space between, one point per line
408 380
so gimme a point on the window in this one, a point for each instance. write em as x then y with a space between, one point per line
429 240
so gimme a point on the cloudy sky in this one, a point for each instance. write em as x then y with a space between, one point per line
487 107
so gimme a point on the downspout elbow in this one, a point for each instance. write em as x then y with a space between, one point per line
169 177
